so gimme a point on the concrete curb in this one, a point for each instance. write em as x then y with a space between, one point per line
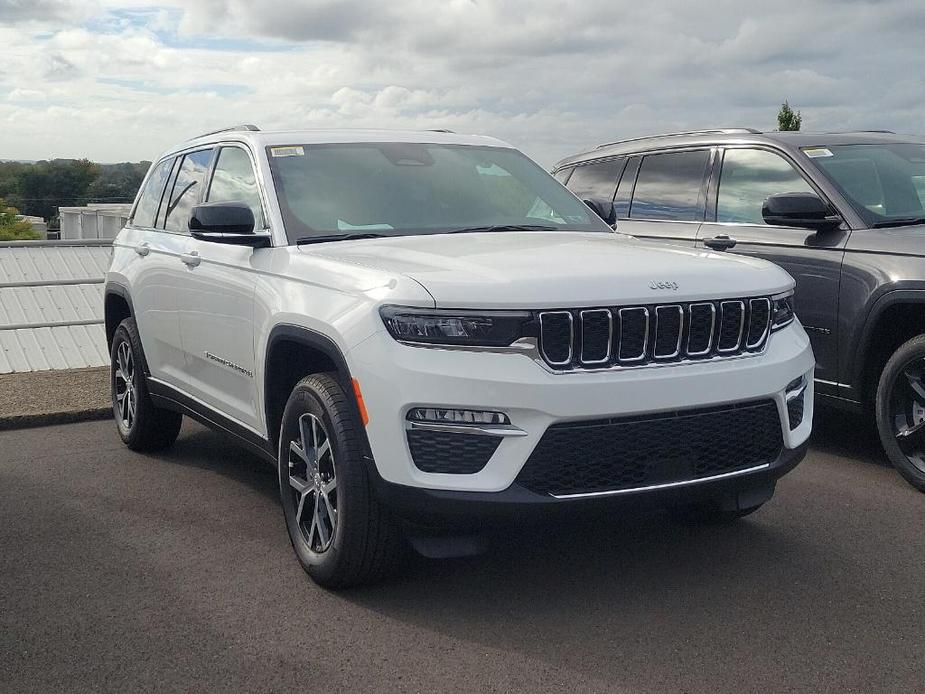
27 421
40 398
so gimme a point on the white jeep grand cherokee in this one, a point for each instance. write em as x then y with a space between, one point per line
424 330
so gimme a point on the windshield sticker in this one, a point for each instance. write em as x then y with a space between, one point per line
287 151
814 152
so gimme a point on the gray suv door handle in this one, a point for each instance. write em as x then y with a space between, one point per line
143 249
191 259
720 242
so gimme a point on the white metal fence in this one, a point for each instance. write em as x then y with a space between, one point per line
51 304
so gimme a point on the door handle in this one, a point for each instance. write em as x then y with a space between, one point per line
720 242
143 249
191 259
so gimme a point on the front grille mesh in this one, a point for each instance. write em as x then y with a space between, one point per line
450 452
638 335
624 453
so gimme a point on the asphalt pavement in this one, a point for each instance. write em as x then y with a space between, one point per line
123 572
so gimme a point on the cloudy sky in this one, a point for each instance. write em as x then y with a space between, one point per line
121 80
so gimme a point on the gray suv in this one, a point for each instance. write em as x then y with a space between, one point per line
844 213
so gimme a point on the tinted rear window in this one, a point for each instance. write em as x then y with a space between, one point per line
598 180
668 186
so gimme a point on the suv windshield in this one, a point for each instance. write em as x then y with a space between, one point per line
885 183
398 189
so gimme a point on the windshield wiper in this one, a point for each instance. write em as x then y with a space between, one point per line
503 227
337 237
908 221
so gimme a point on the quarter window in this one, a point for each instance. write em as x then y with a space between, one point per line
668 186
598 180
749 176
234 181
150 199
187 189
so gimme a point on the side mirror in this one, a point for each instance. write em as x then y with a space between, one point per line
799 210
603 209
226 222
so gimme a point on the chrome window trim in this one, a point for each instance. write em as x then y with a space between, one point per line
712 328
571 342
677 350
581 316
645 341
722 309
767 327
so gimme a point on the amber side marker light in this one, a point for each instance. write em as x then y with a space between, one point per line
364 415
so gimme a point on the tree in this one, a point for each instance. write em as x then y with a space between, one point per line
47 185
118 182
12 228
787 119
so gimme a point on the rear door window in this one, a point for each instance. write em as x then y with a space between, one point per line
146 210
187 189
598 180
669 186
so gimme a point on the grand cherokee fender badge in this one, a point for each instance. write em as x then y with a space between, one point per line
230 364
654 284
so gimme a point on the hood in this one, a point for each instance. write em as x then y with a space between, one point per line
558 269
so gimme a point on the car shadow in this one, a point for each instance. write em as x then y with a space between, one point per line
847 434
202 448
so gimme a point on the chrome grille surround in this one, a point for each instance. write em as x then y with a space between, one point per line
722 326
584 316
545 318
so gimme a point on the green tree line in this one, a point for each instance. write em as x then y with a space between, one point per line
39 189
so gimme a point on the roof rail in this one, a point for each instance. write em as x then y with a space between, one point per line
244 126
849 132
439 130
715 131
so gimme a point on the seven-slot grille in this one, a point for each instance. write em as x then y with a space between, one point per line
635 335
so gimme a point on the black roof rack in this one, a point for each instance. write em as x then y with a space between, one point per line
439 130
245 126
849 132
715 131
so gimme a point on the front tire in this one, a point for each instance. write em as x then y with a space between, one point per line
900 410
142 426
342 535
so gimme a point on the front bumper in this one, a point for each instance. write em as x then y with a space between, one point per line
396 378
475 509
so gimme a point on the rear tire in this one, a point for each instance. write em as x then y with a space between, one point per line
142 426
342 535
900 411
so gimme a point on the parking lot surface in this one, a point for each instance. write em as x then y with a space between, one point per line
124 572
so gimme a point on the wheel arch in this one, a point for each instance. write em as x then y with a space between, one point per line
895 318
292 353
117 306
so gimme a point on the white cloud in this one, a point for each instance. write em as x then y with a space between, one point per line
551 76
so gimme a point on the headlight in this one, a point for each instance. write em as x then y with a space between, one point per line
449 327
782 313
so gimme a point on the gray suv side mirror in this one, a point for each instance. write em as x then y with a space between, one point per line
226 222
799 210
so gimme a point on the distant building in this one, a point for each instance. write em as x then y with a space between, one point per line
94 221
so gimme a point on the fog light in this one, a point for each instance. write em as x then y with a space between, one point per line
447 416
794 394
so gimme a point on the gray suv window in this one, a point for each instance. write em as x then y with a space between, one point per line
748 177
668 186
187 189
146 210
598 180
